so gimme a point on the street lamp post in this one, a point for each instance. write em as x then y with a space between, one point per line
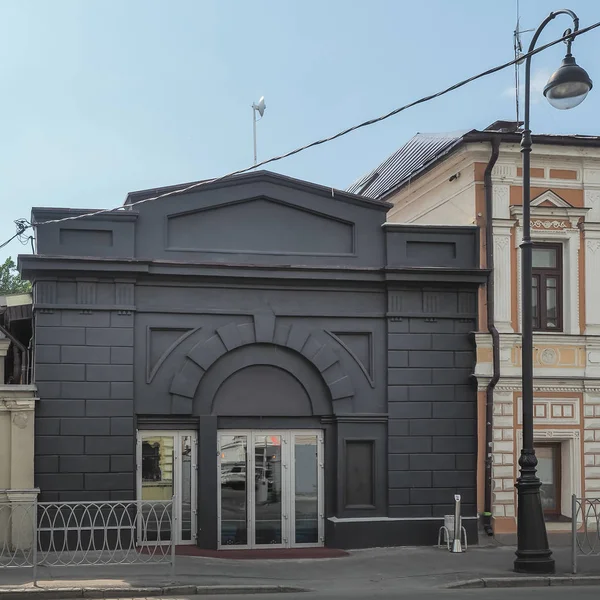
566 88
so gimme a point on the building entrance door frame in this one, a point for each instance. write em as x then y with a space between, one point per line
166 466
280 508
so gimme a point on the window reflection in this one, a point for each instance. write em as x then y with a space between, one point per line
306 500
234 462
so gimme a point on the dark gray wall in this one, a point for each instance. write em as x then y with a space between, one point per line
302 312
432 402
85 421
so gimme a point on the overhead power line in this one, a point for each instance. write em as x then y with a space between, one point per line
325 140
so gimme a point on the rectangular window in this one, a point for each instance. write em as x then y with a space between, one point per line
547 287
360 474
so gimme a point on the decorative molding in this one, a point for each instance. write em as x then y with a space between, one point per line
20 419
501 200
567 356
502 278
265 329
552 197
516 387
86 292
18 405
592 201
45 292
430 302
395 302
124 294
362 418
504 171
592 288
368 369
44 296
152 369
549 411
545 224
593 245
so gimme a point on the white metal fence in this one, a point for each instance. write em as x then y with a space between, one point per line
87 533
585 532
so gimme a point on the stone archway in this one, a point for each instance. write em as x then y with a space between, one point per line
263 330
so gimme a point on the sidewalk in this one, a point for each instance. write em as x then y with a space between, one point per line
381 569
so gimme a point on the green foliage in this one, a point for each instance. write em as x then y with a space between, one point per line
10 280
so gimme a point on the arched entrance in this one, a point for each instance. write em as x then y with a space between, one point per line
270 471
265 395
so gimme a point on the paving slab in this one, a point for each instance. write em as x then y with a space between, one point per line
416 568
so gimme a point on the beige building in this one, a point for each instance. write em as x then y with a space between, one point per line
475 177
17 406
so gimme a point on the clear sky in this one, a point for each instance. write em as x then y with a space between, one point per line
103 97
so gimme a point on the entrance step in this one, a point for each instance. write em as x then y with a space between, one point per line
269 554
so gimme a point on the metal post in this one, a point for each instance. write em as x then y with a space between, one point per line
533 552
574 533
254 123
456 543
34 541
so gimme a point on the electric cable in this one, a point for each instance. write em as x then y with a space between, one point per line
569 35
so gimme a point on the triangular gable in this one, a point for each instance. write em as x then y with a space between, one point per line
550 199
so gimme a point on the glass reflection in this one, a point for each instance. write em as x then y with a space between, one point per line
267 475
157 481
186 488
546 470
306 502
234 461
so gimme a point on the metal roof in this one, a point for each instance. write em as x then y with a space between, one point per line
417 153
424 149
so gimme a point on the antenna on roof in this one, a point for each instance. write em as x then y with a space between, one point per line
518 47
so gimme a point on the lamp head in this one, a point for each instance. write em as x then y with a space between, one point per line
568 86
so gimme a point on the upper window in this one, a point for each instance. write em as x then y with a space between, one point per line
547 287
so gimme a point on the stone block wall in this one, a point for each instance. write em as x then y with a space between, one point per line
85 436
432 404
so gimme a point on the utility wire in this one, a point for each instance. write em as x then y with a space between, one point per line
567 36
22 226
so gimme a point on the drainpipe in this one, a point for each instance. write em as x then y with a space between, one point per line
489 392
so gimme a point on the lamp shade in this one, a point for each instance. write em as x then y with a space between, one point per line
568 86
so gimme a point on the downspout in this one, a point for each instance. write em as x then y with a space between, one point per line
489 392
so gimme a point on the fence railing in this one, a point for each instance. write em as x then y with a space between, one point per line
87 533
585 531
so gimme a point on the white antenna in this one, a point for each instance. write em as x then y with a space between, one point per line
518 54
260 109
518 51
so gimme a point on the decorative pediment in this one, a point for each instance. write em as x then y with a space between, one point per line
260 225
550 199
550 212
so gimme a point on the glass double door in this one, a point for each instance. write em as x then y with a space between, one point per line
166 470
270 488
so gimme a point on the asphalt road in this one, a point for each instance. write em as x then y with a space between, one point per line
543 593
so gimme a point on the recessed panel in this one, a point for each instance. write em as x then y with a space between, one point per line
260 226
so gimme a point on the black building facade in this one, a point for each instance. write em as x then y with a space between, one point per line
294 370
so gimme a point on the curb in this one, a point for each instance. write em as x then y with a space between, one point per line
56 593
514 582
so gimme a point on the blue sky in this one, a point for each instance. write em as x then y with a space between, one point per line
103 97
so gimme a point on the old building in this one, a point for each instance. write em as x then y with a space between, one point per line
475 178
293 369
17 406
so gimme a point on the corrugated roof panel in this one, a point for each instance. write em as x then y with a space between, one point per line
410 158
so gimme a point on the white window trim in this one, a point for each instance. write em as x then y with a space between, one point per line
570 467
570 240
